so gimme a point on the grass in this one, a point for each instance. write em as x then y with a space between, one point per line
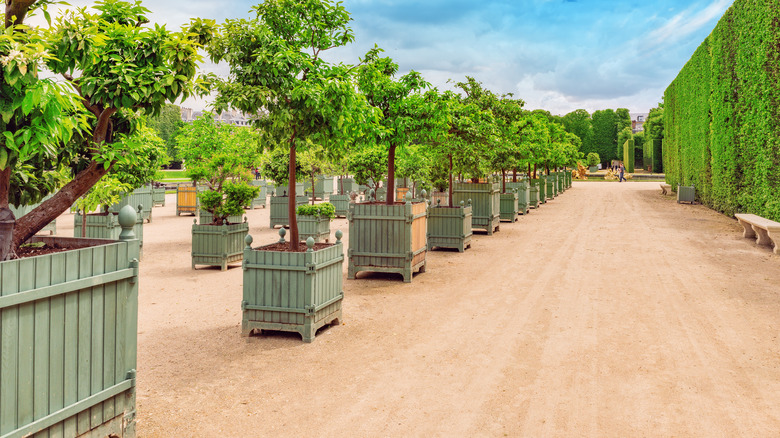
174 175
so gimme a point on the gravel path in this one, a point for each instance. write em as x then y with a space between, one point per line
609 311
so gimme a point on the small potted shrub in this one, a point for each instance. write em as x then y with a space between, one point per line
593 162
314 221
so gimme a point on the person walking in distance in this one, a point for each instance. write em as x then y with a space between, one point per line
622 171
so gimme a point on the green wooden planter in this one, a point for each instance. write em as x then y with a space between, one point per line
318 228
508 209
158 196
449 227
285 190
205 218
533 195
187 200
485 201
541 184
551 191
323 186
569 178
349 186
140 196
341 202
106 226
387 238
523 195
293 292
218 245
278 211
68 326
260 200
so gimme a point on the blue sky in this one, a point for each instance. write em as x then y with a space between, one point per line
559 55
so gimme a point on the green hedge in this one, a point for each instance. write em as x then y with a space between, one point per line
657 154
722 114
628 155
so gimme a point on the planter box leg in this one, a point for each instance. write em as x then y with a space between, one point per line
351 271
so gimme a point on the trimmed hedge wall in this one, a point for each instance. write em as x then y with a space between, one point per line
629 155
722 114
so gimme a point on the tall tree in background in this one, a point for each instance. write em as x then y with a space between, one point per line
654 135
623 129
579 123
605 124
167 125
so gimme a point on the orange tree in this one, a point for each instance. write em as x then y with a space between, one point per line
278 73
116 67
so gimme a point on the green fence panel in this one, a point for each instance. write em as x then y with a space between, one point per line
485 202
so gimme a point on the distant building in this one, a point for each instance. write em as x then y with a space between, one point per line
231 117
637 121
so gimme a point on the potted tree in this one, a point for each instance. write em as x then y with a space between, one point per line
95 220
390 236
90 290
306 100
314 220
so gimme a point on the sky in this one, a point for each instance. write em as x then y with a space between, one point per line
557 55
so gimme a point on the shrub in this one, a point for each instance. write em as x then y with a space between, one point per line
325 209
593 159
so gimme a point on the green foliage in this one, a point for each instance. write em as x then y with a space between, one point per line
593 159
106 192
408 113
323 209
579 123
722 117
228 201
654 134
368 162
605 123
166 125
628 155
624 135
274 164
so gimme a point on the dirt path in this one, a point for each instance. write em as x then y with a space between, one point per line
609 311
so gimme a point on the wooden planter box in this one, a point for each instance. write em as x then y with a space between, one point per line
449 227
318 228
141 196
341 202
278 211
293 292
686 194
387 238
205 218
349 186
593 169
508 209
485 202
158 196
187 200
551 182
523 195
437 197
106 226
218 245
323 186
400 193
285 190
68 332
261 198
533 196
541 184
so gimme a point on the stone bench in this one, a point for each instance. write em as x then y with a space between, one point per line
666 189
765 231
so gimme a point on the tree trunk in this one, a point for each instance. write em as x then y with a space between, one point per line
514 175
294 239
313 181
35 220
450 193
503 181
341 184
391 176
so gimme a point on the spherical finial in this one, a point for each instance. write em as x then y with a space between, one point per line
462 203
195 221
310 244
423 193
408 197
248 240
140 208
127 219
339 235
438 202
282 232
469 201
